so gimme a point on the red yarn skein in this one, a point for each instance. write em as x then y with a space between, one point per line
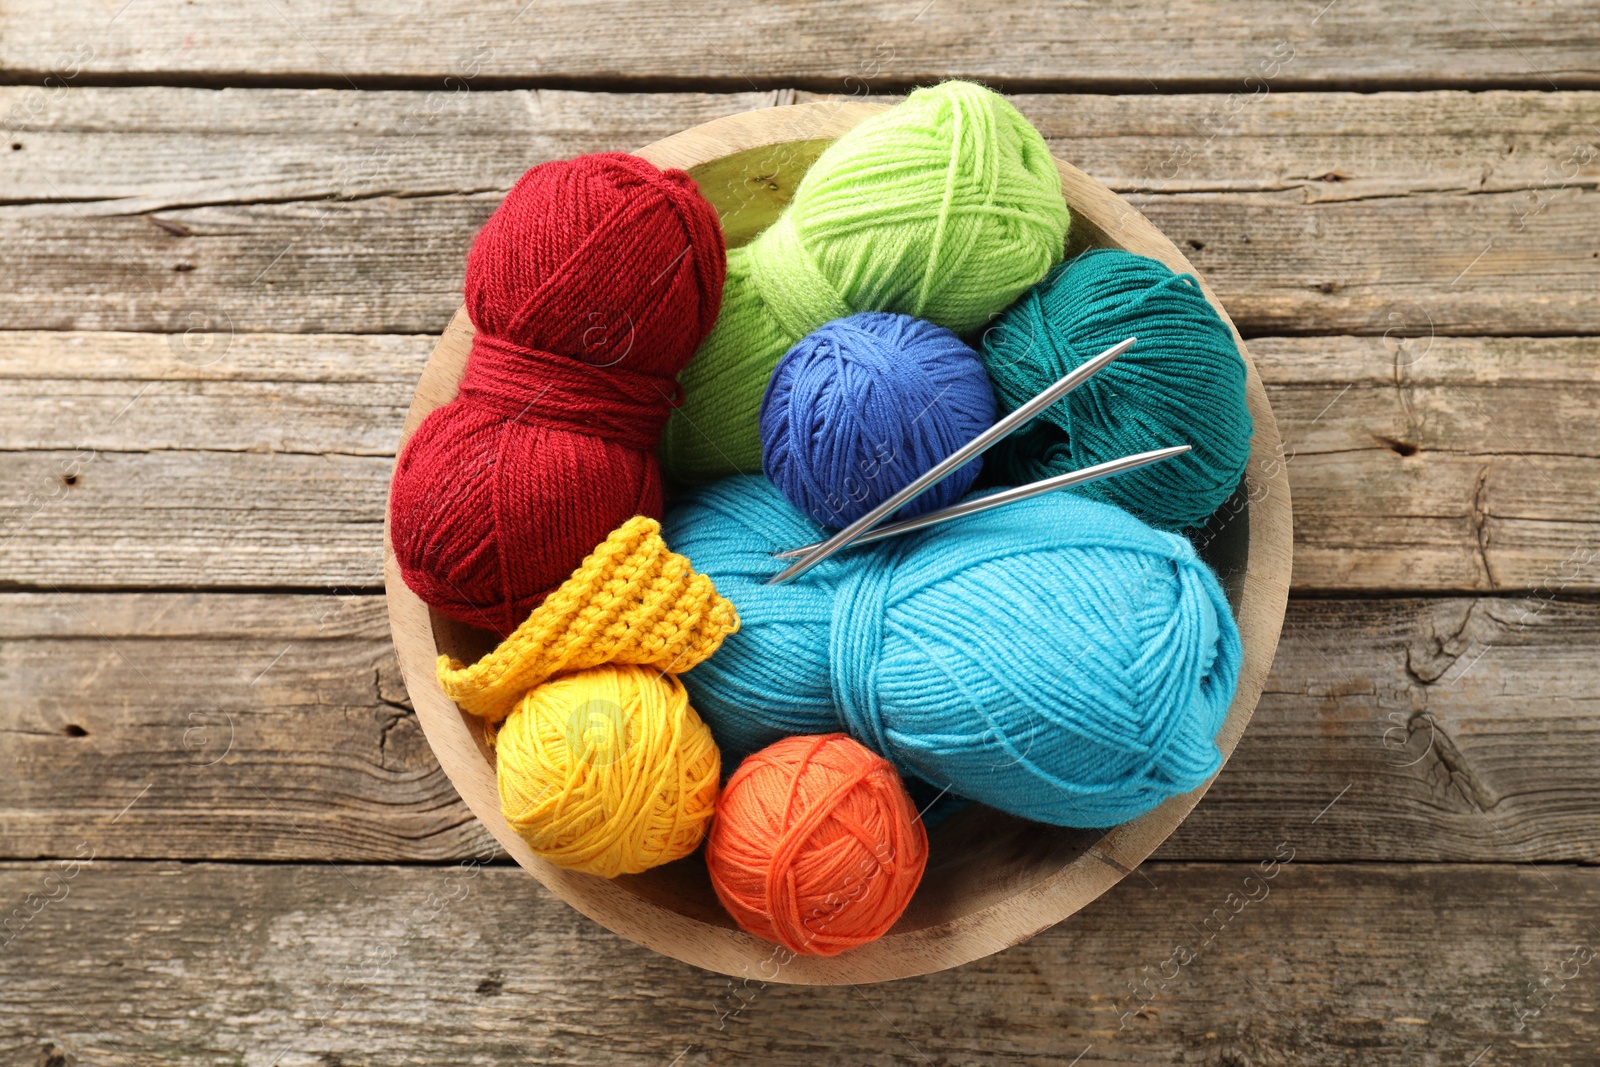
816 845
590 286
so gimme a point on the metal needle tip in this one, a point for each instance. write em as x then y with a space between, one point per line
975 447
1006 496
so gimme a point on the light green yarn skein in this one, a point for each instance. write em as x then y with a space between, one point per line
946 207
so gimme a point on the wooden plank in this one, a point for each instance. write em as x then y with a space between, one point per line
1420 716
192 519
394 265
164 146
253 726
349 216
1430 462
1482 264
833 45
316 965
159 147
1326 146
1418 463
239 392
378 265
259 727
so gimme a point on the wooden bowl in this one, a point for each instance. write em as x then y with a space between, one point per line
992 880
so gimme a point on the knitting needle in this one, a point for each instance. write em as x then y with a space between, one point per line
978 445
1007 496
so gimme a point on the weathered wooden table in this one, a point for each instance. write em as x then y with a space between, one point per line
224 838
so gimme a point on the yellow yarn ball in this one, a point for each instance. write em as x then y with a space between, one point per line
608 770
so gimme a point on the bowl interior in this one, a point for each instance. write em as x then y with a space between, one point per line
992 879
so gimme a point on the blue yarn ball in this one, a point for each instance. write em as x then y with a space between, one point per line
863 405
1054 658
1183 383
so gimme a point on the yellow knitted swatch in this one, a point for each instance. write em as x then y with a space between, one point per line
608 770
602 764
632 601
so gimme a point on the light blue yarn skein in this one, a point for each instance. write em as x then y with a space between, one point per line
1054 658
863 405
1182 384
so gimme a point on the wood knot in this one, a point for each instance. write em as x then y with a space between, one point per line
1401 448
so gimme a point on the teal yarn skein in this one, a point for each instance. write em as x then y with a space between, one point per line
1054 658
1183 383
862 406
945 207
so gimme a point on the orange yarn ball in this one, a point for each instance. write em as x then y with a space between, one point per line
816 845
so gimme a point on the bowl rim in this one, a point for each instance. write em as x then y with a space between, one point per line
1262 599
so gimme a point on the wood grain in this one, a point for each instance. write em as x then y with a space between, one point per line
192 519
1418 463
1466 265
833 44
1481 264
305 966
353 216
244 727
1430 462
276 727
342 395
161 147
1420 716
